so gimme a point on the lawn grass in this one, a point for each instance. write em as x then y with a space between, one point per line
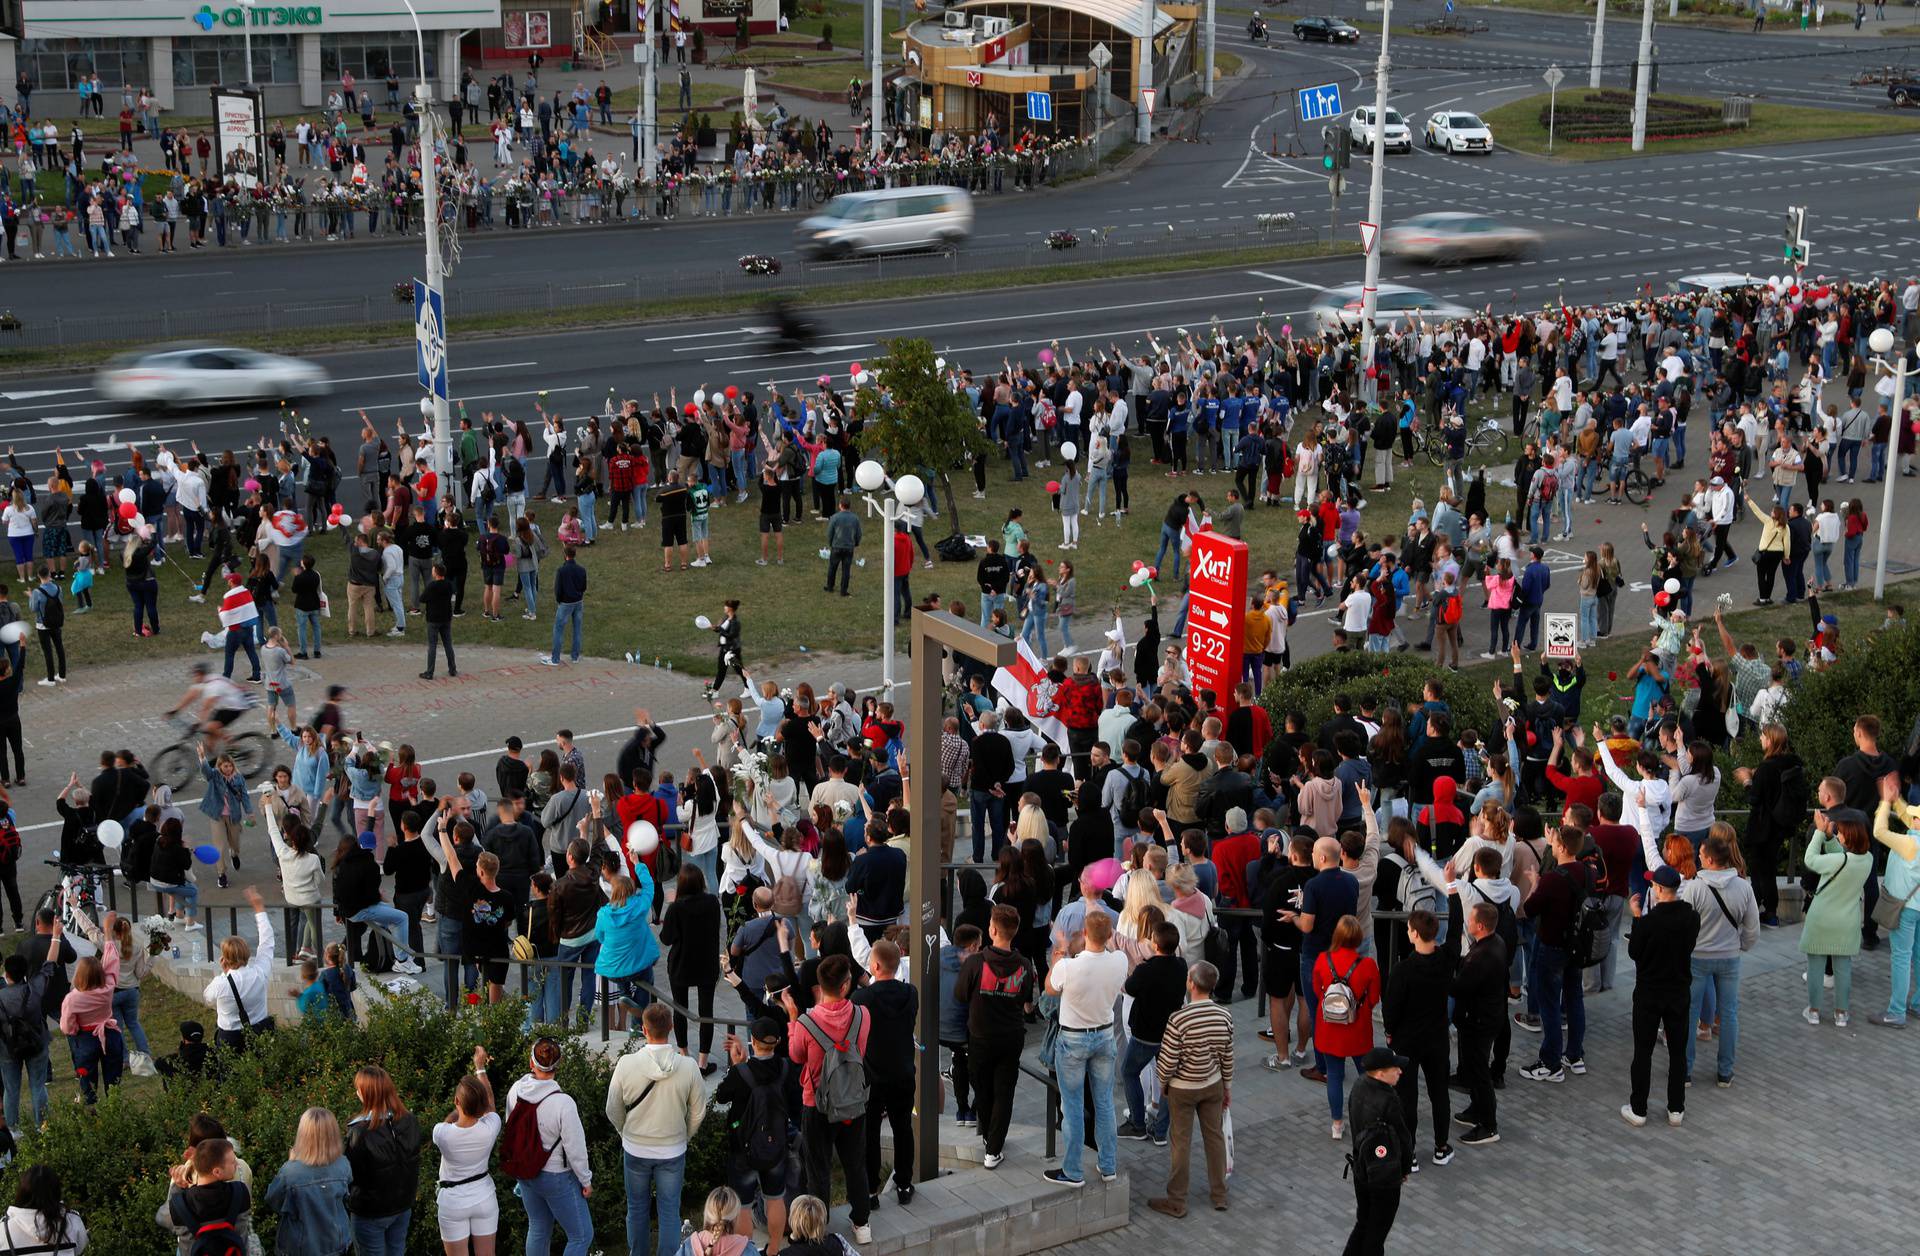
1518 125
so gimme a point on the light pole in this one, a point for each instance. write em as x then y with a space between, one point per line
1599 43
1881 342
1642 78
903 495
649 98
430 214
1376 195
1143 76
1206 69
246 35
873 103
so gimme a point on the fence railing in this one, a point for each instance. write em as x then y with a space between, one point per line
612 289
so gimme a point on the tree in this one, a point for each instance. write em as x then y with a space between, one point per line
915 420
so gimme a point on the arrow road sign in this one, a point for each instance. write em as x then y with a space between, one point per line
1039 107
430 338
1369 232
1315 103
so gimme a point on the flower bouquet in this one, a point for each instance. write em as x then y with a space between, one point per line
749 776
1062 239
403 292
759 264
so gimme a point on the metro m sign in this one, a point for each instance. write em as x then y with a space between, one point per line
1217 590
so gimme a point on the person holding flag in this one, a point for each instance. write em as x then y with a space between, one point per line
238 614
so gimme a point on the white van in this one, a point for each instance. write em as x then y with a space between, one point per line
887 221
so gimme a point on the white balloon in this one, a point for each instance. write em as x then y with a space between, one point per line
642 838
1068 451
702 622
111 834
939 364
125 495
14 633
699 396
1672 586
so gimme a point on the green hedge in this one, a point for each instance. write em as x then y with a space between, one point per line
1310 688
1879 675
114 1158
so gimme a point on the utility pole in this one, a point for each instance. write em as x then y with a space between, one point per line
1206 69
1599 43
649 98
436 269
1642 79
1376 195
873 89
1143 128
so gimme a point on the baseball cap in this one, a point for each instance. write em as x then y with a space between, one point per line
368 839
767 1029
1717 482
1381 1057
1665 875
1830 619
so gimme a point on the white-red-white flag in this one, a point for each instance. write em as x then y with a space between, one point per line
1025 685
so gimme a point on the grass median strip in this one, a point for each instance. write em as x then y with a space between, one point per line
1522 125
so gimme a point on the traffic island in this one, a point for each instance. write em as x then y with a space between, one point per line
1598 125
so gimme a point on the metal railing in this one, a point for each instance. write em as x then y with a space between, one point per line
469 301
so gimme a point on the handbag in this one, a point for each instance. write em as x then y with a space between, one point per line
522 948
1886 910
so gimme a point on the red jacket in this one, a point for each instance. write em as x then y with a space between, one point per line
902 554
1346 1040
1079 701
1230 856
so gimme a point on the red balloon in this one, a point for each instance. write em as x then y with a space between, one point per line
854 369
129 511
1137 564
1661 598
692 409
732 392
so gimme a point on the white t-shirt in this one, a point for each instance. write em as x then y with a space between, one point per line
19 520
1609 346
21 1230
1358 609
466 1151
1088 984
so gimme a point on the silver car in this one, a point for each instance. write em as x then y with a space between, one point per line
186 376
1447 237
1394 307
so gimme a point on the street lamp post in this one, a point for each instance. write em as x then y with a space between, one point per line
873 88
901 496
1376 196
1599 43
1642 85
246 35
1881 342
430 213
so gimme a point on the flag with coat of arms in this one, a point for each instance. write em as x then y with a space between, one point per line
1025 685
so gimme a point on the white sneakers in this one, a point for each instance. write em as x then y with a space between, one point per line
1631 1117
863 1234
407 966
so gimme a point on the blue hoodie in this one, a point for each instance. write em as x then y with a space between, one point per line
625 933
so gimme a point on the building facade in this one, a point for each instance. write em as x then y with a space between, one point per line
178 49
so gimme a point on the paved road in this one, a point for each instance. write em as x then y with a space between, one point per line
1597 219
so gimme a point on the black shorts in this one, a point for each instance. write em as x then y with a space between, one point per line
493 576
227 715
772 523
750 1181
1280 973
673 530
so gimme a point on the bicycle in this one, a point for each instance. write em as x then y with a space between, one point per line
1638 486
177 764
82 887
1486 438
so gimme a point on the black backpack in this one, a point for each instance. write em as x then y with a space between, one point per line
217 1238
1506 925
1588 936
376 953
763 1132
1133 797
20 1037
1375 1159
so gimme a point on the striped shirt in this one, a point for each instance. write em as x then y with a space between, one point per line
237 608
1197 1049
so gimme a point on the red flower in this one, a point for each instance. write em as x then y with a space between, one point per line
1613 675
473 998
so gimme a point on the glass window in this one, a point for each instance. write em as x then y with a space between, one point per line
58 64
217 60
373 56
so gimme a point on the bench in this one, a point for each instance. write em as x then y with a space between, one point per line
1451 24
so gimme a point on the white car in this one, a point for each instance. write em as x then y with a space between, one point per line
1458 133
198 375
1360 131
1444 237
1394 306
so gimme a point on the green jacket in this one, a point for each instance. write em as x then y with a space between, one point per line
1833 919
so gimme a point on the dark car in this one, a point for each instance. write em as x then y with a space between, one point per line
1329 30
1905 92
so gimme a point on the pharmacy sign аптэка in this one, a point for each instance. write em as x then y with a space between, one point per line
263 15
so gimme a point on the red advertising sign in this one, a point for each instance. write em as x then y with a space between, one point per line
1216 613
993 50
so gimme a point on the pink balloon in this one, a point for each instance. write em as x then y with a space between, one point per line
854 369
252 486
1137 564
1103 874
1046 355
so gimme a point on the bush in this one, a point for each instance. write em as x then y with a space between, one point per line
1880 674
1397 678
114 1158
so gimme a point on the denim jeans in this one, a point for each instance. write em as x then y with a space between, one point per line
36 1071
559 992
589 522
1876 460
550 1198
565 613
530 591
453 941
1723 976
989 603
390 918
1589 620
395 590
381 1236
126 1010
1033 631
1903 946
307 625
1562 1006
1335 1067
1169 539
1140 1054
98 1068
1822 573
239 639
1847 461
643 1178
988 809
1084 1053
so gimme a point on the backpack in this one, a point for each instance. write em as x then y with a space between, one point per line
1340 1005
840 1092
786 896
1133 798
376 953
523 1156
1506 924
1416 892
763 1134
20 1037
1451 612
217 1238
9 842
1374 1161
1590 937
493 548
1549 486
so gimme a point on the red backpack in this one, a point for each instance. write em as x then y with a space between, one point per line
523 1156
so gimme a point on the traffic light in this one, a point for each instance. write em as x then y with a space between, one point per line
13 18
1342 153
1794 248
1329 152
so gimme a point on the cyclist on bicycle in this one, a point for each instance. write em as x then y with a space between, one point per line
217 702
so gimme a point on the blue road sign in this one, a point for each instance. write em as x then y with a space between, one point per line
1039 107
430 338
1449 6
1316 103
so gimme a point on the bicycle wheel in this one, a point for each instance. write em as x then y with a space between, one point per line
251 753
1492 442
1638 487
175 765
1436 447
